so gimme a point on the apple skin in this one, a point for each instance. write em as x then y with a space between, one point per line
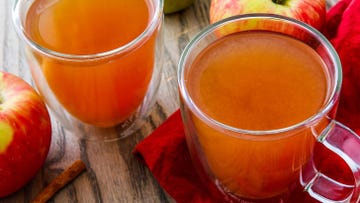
312 12
172 6
25 133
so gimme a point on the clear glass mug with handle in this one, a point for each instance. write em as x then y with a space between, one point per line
94 69
258 164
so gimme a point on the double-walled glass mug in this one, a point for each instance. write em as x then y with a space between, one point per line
97 64
258 92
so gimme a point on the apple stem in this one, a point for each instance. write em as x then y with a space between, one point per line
281 2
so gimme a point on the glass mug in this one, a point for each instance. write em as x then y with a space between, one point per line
258 92
94 69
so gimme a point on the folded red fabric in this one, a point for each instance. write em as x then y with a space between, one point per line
343 30
166 155
165 151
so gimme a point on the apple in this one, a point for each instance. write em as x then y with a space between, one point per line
171 6
312 12
25 133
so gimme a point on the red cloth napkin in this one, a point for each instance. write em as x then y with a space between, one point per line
343 30
165 152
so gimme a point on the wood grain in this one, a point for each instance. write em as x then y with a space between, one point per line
113 174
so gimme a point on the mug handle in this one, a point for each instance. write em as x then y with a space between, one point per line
346 144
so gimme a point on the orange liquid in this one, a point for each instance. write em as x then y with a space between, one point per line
101 93
256 81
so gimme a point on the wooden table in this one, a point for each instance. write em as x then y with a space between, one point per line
113 174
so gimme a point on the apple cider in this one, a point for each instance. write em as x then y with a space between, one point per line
256 81
101 93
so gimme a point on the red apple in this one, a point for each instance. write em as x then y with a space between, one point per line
311 12
25 133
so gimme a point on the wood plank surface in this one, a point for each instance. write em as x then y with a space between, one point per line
113 174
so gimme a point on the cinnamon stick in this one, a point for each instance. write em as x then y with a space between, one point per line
60 181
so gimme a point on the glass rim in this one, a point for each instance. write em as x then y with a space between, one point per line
328 104
154 21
